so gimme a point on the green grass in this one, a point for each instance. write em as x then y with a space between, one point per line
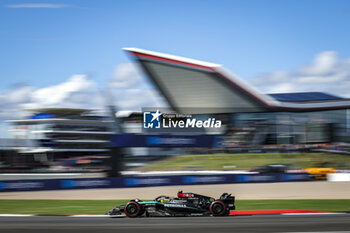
247 161
57 207
68 207
316 205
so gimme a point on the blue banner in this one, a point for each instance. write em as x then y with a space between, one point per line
133 140
146 181
42 116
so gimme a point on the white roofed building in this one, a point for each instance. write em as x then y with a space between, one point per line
197 87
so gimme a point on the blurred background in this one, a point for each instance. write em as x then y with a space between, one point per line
67 88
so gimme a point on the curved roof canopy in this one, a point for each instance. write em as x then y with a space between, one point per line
194 87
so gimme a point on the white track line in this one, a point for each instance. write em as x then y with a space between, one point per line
89 215
117 216
16 215
73 216
312 213
96 216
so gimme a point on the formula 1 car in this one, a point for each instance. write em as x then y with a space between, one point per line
185 204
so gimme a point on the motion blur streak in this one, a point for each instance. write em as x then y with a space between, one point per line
286 190
273 223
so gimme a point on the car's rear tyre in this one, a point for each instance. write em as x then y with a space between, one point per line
132 209
217 208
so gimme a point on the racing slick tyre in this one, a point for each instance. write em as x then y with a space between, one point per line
217 208
132 209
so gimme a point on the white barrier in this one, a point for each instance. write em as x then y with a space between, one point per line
334 177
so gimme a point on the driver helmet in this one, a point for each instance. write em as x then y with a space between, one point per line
180 191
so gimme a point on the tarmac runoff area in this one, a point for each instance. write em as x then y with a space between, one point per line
258 223
283 190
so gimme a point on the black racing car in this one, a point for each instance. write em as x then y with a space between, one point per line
185 204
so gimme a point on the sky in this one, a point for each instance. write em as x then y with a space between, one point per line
67 53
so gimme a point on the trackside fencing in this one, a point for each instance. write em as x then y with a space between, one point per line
129 182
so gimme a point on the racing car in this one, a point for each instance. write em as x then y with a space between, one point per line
185 204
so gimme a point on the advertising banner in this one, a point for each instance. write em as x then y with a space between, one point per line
146 181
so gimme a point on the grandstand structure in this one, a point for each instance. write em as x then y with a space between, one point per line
63 133
74 138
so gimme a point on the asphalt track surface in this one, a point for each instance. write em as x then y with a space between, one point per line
271 223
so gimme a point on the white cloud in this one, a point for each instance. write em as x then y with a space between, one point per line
36 5
326 73
19 94
126 75
10 102
132 90
136 98
77 92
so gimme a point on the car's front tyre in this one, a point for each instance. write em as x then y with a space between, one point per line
132 209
